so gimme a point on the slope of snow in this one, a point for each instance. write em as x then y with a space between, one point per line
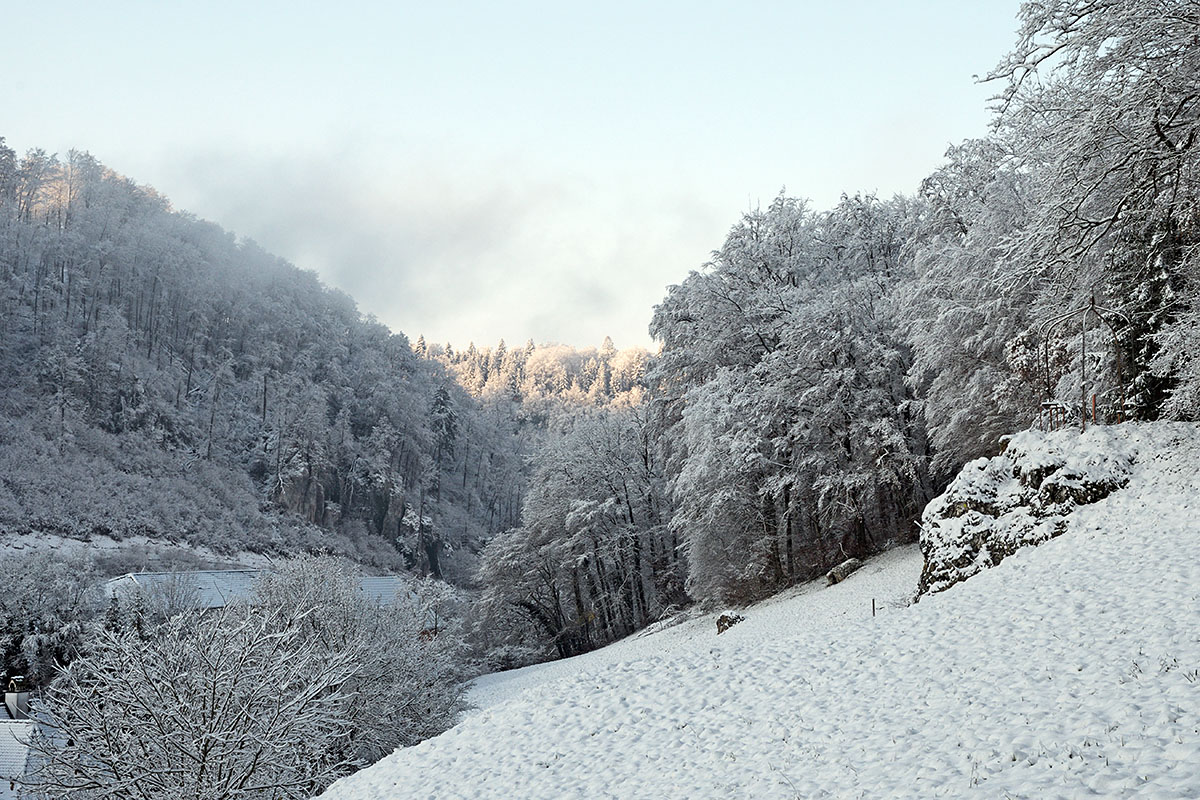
888 579
1069 670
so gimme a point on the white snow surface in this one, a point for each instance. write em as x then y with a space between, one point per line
1070 670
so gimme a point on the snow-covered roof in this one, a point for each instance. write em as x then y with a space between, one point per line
208 589
204 588
384 588
14 754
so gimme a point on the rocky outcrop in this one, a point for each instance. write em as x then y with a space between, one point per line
1019 498
301 494
726 620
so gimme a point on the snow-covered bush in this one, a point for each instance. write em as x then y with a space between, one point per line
407 682
45 607
270 699
232 704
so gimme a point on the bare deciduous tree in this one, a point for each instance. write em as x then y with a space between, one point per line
230 704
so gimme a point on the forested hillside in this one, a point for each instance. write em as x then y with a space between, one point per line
164 379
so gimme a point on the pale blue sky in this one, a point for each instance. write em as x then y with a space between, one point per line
477 170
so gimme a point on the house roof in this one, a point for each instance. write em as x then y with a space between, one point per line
385 588
208 589
14 752
203 588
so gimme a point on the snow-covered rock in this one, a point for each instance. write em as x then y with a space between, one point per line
842 571
1022 497
1070 670
727 619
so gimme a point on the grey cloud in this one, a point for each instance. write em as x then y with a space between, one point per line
476 256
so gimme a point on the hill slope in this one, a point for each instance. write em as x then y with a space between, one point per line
163 382
1071 669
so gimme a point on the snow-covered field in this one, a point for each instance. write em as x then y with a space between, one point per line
1069 670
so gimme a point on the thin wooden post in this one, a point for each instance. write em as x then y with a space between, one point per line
1083 369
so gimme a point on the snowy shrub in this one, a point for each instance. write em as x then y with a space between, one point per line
45 608
230 704
407 682
273 699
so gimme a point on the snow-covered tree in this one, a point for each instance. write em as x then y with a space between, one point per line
792 438
406 684
592 559
231 704
1100 101
270 699
969 298
46 607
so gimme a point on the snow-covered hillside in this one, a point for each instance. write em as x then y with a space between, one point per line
1070 670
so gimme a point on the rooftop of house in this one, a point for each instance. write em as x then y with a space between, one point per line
14 753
